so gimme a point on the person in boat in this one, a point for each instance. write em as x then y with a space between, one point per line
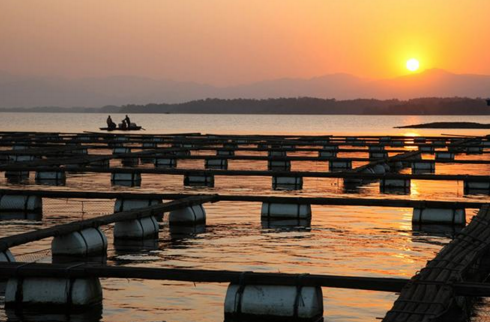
123 125
128 121
110 124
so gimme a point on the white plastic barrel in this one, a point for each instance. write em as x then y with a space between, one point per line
474 149
53 291
149 145
81 151
166 163
285 211
16 175
274 301
376 148
220 164
126 179
327 154
22 158
136 229
378 155
340 164
50 176
439 216
274 153
395 183
385 139
322 141
397 143
279 165
439 143
132 204
330 147
84 138
100 163
21 203
444 155
225 152
424 165
203 180
130 162
476 185
182 153
90 241
426 148
287 183
121 149
121 138
188 216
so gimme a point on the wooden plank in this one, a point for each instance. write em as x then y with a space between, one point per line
430 295
398 203
260 173
383 284
198 276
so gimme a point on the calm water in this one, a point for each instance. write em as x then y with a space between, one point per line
242 124
341 240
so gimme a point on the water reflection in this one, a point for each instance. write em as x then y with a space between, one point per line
363 241
253 318
285 225
20 215
476 192
123 247
60 259
436 230
17 177
395 190
49 313
179 232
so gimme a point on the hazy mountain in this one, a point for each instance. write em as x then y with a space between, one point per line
17 91
432 83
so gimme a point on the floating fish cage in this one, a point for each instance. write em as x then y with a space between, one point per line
286 177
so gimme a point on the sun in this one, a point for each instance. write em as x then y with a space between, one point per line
412 64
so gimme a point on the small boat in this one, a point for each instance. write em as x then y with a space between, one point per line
132 127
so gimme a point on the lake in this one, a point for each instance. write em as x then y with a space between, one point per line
238 124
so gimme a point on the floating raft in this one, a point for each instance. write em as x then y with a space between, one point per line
430 295
434 294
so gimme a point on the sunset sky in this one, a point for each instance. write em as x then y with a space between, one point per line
226 42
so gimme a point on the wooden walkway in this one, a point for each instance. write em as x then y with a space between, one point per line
430 295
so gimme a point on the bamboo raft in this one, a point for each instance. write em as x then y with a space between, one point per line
430 295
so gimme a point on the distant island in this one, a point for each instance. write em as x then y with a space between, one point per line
300 105
446 125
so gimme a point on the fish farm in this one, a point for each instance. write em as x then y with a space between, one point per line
81 210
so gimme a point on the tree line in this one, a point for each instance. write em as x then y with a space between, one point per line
308 105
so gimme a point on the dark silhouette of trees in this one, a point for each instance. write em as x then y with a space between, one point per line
308 105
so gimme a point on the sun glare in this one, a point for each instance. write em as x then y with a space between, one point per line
412 64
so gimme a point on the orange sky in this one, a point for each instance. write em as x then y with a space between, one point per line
228 42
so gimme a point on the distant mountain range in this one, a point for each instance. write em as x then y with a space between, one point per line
17 91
